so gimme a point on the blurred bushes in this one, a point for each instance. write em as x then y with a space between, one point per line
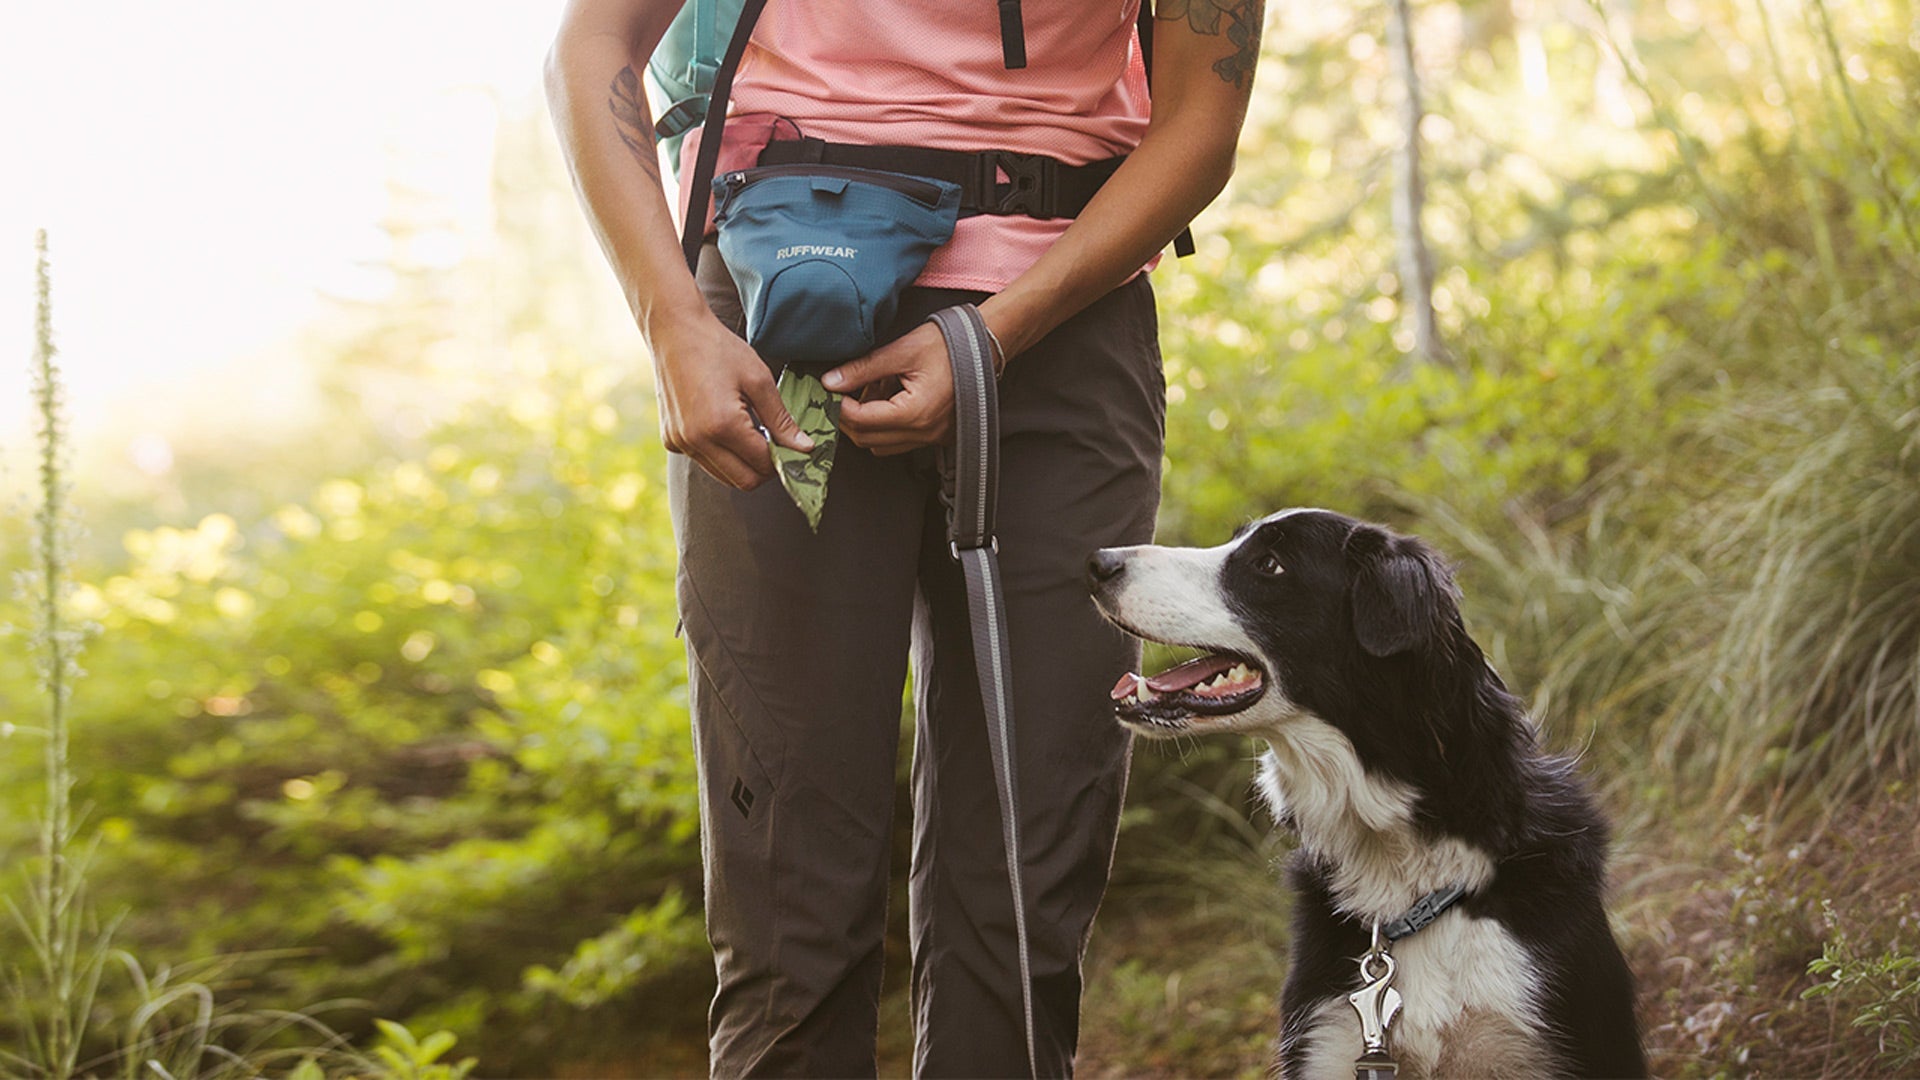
430 724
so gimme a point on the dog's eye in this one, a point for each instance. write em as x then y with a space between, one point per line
1268 564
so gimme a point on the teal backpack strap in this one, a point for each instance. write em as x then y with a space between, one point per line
706 43
685 66
700 194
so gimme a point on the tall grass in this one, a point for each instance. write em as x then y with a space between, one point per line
1750 640
1734 615
54 997
1752 643
1814 672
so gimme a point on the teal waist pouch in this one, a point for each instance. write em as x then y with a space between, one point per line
821 253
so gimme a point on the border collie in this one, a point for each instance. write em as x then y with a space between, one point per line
1410 775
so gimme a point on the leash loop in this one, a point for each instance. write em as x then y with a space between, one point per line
1383 959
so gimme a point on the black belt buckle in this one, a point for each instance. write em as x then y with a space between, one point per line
1032 184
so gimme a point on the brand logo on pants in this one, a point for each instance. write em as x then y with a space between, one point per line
742 797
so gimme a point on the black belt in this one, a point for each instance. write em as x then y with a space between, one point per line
1037 186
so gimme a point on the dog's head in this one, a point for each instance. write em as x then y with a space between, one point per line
1302 612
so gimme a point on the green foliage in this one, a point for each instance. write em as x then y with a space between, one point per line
52 994
602 969
426 725
1882 991
1183 978
1677 457
464 744
71 1020
1812 681
1730 932
408 1058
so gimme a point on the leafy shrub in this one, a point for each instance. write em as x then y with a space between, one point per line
1882 991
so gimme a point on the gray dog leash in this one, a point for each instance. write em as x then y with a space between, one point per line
970 538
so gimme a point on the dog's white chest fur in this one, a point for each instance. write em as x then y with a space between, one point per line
1468 991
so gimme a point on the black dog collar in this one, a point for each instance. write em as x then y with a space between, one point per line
1423 912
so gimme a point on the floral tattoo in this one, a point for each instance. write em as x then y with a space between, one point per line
1241 19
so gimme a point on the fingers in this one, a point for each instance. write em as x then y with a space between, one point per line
906 421
890 359
728 468
711 386
764 396
858 418
728 446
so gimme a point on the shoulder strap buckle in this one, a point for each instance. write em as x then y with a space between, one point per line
682 116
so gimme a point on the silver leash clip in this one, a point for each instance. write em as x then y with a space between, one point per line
1377 1003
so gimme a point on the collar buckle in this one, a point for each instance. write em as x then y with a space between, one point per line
1422 914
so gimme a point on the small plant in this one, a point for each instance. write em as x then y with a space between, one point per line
1883 991
405 1057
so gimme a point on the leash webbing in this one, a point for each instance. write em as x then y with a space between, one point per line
970 537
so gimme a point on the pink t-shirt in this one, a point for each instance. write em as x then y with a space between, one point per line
930 73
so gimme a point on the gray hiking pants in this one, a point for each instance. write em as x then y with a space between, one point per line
798 647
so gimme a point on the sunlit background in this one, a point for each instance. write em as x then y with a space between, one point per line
218 176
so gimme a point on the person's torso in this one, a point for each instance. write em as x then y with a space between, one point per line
931 73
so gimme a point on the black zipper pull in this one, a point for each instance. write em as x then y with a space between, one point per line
730 186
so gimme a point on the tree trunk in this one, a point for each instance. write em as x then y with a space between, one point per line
1410 195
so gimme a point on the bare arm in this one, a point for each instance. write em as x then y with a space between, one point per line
1203 60
710 383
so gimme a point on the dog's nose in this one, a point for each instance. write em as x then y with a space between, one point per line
1105 565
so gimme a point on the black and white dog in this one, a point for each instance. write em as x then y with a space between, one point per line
1411 776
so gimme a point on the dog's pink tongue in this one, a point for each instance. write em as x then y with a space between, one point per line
1125 688
1191 673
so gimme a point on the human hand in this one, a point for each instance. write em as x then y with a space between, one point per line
919 412
711 386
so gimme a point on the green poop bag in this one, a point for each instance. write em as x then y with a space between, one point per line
817 410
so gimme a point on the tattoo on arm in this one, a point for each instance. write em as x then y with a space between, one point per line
626 100
1242 19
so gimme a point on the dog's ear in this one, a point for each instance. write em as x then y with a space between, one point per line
1402 591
